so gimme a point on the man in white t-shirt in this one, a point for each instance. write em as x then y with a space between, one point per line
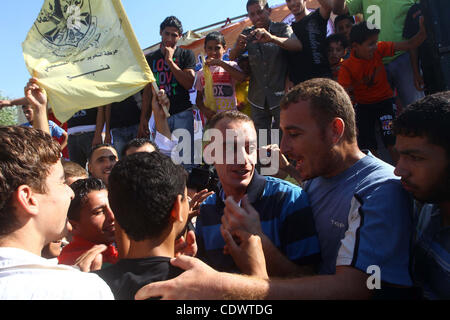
34 200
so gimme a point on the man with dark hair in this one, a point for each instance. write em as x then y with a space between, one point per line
266 42
284 222
148 194
174 71
101 160
92 222
139 145
33 212
423 141
359 229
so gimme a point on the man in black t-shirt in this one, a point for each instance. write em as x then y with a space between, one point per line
311 29
148 195
174 71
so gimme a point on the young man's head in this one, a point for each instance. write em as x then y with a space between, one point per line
171 31
138 145
297 7
28 112
343 24
364 40
215 45
259 13
73 172
234 150
33 192
317 118
89 214
101 160
147 192
423 142
337 46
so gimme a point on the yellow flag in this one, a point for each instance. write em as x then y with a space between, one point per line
210 100
85 54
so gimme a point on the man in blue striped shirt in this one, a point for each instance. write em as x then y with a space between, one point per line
286 226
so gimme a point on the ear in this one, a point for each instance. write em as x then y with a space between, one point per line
25 199
177 210
337 130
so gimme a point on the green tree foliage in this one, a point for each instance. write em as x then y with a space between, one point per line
8 115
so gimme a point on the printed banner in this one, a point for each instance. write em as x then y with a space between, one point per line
85 54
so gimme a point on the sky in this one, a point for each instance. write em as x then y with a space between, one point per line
145 17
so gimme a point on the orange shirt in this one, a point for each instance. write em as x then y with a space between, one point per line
78 246
367 79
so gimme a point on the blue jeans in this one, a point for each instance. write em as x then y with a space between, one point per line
184 120
401 77
79 146
121 136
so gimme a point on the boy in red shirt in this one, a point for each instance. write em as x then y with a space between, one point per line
363 75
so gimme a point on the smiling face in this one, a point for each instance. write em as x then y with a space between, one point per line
423 168
305 141
101 163
54 204
344 27
239 155
214 49
96 220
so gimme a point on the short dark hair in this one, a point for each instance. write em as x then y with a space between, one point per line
26 156
230 114
336 37
215 36
172 21
343 17
137 143
82 188
143 188
428 117
328 100
73 169
263 3
98 146
362 31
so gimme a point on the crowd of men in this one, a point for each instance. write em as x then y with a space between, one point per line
121 219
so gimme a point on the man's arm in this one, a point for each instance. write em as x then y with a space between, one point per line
146 112
202 282
239 47
415 41
185 77
261 35
65 137
108 123
15 102
247 219
418 79
37 99
99 124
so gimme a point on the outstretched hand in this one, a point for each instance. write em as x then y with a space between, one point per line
197 282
